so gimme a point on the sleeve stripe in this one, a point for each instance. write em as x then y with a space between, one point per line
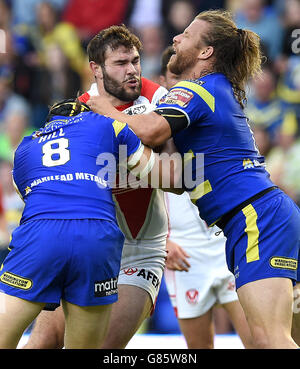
149 166
207 97
174 115
164 109
143 172
136 156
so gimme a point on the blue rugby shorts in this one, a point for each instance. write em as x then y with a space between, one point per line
54 259
263 239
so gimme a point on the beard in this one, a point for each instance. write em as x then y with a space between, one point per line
182 61
116 89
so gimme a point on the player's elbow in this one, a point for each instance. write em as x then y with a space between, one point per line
155 135
150 139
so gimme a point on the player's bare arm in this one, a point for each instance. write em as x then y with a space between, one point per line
153 129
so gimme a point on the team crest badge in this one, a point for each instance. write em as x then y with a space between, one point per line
130 271
192 296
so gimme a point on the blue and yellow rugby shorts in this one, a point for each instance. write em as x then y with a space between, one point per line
74 260
263 239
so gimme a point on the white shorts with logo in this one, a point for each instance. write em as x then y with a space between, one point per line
143 263
208 282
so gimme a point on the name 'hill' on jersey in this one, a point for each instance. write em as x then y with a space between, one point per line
62 179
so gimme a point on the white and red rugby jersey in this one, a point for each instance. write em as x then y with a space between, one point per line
141 212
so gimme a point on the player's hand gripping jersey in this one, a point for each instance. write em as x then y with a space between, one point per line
51 177
216 126
141 212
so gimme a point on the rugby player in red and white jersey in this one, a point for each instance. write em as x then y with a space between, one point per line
115 62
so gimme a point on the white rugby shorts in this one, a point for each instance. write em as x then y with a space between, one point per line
208 282
143 263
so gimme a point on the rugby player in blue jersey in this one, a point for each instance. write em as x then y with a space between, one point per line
68 245
204 114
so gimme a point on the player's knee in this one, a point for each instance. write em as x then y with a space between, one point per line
58 341
46 339
262 342
47 342
118 339
261 339
56 338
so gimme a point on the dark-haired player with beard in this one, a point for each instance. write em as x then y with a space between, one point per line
114 56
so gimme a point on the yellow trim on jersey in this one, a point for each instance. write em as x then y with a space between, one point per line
252 252
118 126
188 157
201 190
214 223
201 91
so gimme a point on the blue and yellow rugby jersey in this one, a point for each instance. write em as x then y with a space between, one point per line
58 170
217 127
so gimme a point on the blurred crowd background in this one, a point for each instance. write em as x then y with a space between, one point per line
43 60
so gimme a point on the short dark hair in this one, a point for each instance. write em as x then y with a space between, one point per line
112 37
168 52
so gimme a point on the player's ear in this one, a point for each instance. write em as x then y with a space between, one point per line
96 69
206 52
